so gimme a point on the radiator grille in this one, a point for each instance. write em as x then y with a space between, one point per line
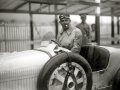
20 79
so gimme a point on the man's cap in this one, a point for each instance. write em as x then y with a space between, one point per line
64 16
83 14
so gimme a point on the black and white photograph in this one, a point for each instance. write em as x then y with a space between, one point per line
59 44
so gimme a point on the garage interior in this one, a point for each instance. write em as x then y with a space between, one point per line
18 37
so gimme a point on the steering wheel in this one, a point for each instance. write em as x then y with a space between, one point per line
55 42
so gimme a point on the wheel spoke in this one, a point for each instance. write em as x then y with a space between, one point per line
59 77
65 68
59 87
80 80
76 75
76 72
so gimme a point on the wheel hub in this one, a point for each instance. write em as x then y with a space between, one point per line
71 85
62 77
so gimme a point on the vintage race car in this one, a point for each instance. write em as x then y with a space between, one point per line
51 67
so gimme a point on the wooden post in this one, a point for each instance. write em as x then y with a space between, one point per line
56 23
97 29
112 24
56 26
5 35
31 27
97 24
118 27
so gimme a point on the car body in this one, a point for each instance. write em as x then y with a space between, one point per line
20 70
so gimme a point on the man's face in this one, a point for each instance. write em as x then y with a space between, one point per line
65 23
93 27
83 18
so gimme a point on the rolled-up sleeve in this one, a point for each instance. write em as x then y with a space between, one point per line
77 43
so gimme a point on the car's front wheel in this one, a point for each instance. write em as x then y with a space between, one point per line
65 72
116 81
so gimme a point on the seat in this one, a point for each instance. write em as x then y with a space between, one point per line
97 57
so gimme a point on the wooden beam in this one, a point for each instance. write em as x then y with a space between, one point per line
115 0
34 12
63 2
83 2
54 2
49 4
20 5
41 7
105 1
94 10
65 7
109 4
118 11
105 12
12 11
116 8
117 14
81 9
76 2
8 3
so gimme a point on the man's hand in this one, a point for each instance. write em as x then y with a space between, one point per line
61 49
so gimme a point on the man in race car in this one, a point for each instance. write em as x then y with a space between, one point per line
69 37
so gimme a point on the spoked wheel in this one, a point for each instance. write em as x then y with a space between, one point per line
65 72
74 75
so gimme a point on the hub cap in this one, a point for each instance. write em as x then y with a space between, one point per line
68 77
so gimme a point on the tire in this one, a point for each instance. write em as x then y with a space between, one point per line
58 65
116 81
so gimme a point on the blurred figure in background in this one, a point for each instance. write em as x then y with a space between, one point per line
69 37
84 27
93 33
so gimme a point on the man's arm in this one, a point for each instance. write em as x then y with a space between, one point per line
77 43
